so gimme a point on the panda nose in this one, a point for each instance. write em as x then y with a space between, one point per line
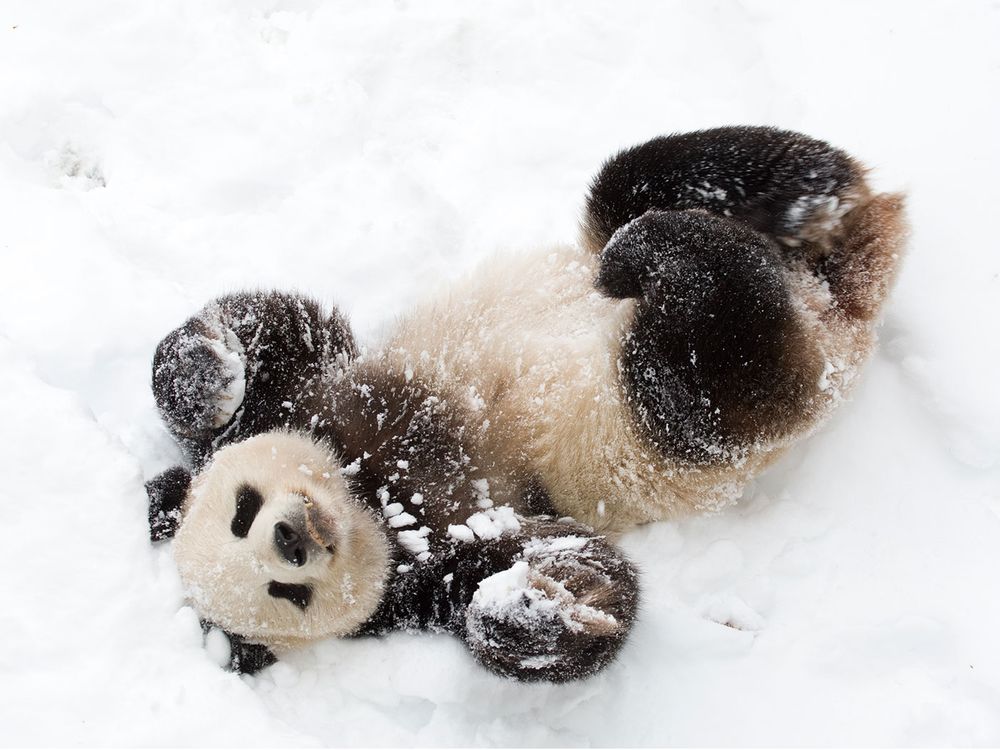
289 544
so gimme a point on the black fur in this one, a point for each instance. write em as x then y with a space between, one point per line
248 658
716 357
296 593
166 493
536 499
244 658
289 345
248 505
439 596
752 174
694 226
548 647
714 361
375 418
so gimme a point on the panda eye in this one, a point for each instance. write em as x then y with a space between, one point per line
297 594
248 505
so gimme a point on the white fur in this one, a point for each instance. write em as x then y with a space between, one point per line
227 577
539 346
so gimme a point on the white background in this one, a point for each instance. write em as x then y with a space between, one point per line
155 154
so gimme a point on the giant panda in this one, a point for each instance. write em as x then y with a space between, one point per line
468 473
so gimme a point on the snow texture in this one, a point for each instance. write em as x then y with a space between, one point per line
515 596
154 155
492 523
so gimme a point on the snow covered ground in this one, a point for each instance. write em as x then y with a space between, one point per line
153 155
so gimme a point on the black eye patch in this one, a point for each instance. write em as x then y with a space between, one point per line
297 594
248 505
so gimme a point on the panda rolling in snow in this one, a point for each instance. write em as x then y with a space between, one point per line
722 297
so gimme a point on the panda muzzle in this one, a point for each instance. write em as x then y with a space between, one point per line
295 538
290 543
320 526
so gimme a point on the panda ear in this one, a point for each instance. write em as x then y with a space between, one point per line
166 494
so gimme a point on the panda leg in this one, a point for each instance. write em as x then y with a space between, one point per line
862 270
231 370
810 198
716 357
785 184
557 609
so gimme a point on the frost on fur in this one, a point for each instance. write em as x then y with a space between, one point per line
561 611
722 302
787 185
262 349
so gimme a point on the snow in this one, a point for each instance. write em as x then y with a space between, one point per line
415 541
559 544
515 595
461 532
403 519
154 155
492 523
481 487
232 357
509 596
505 588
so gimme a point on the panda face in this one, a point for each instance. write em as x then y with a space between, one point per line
274 548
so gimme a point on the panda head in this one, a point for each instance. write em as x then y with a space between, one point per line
270 544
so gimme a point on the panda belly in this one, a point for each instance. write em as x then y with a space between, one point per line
532 349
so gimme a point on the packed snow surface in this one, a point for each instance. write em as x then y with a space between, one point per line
154 155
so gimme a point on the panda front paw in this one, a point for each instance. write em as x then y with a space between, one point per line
227 399
558 615
199 378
